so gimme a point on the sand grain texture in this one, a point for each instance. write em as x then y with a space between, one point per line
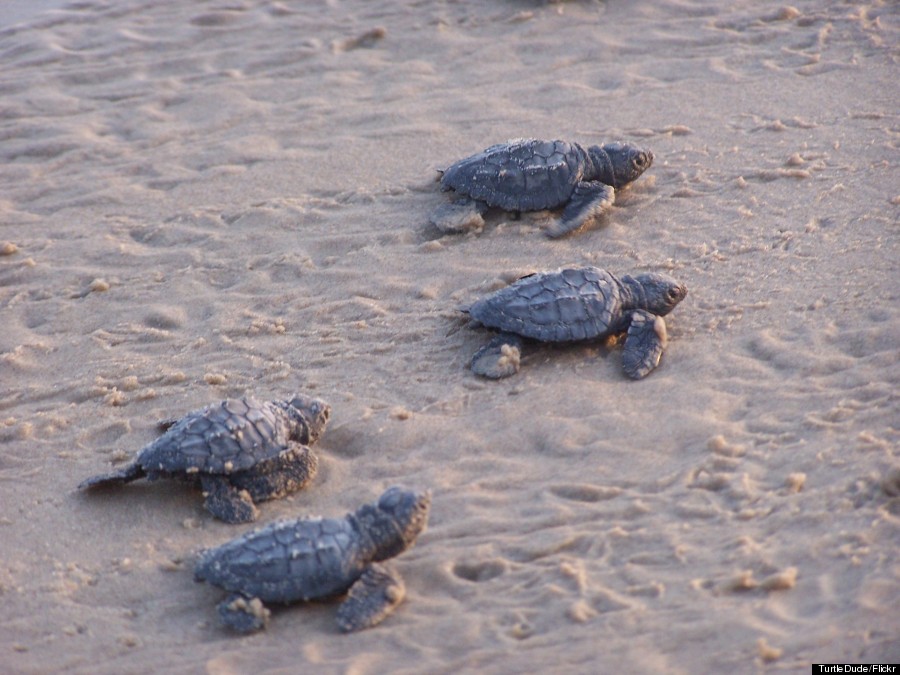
203 200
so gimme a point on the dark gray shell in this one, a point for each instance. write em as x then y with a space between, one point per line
561 306
524 175
288 561
225 437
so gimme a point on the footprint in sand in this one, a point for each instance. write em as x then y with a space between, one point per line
480 571
585 493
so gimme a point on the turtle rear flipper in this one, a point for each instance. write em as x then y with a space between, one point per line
499 358
242 614
226 502
589 200
462 215
120 477
164 425
371 598
644 344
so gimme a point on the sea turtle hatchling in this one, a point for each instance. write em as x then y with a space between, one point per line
313 558
531 175
241 451
574 304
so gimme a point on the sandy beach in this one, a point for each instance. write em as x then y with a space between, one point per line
205 200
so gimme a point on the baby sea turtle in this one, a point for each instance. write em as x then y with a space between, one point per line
569 305
312 558
241 451
531 174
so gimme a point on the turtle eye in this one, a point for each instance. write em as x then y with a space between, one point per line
640 160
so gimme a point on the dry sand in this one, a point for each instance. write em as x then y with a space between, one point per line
203 200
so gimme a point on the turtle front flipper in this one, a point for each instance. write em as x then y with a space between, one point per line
225 501
499 358
274 478
243 614
462 215
126 475
371 598
644 344
589 200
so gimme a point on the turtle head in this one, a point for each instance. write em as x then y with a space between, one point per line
657 293
618 164
394 522
310 414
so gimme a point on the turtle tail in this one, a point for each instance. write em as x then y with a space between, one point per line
120 477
